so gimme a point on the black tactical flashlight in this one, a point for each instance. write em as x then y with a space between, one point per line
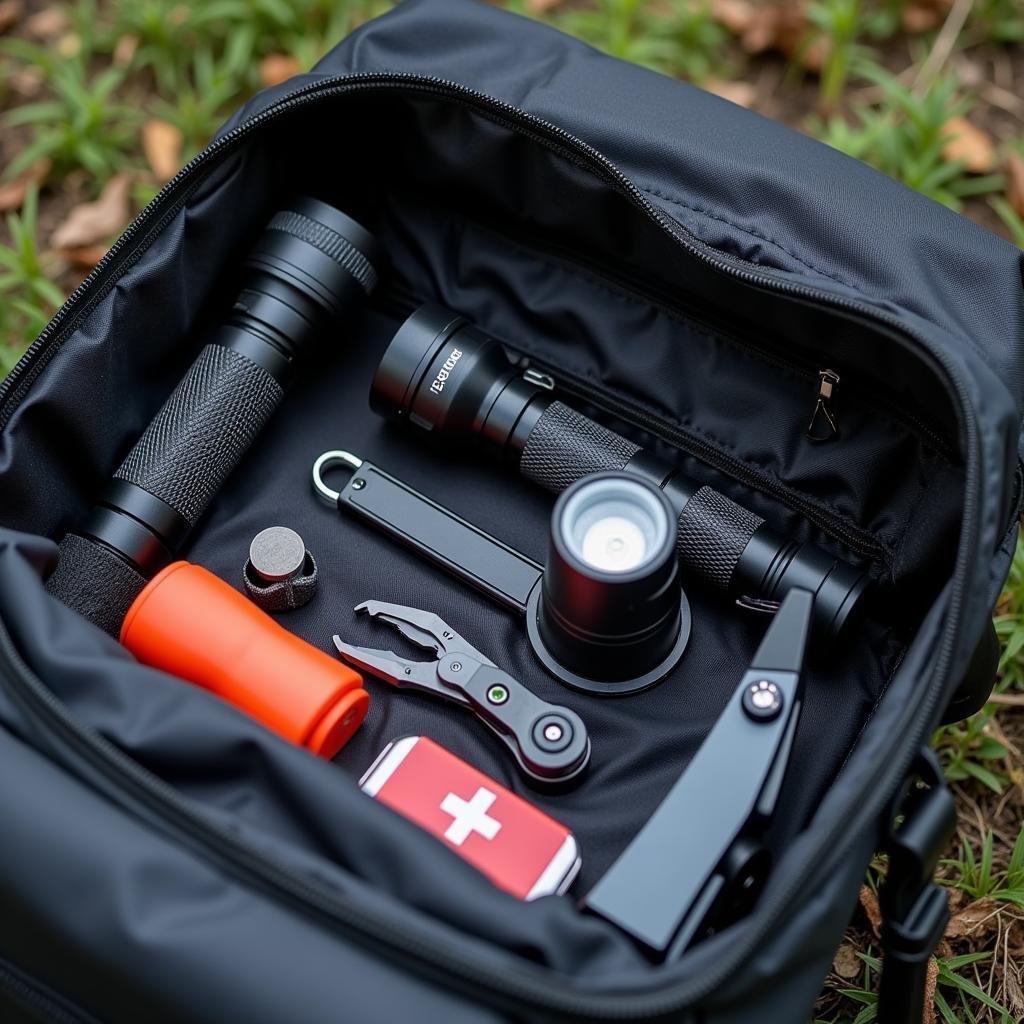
445 375
312 268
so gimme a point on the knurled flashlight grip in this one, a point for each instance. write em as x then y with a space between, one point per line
168 480
564 445
719 542
203 429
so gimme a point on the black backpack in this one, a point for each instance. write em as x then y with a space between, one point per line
688 268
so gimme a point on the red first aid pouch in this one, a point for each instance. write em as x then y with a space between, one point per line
519 848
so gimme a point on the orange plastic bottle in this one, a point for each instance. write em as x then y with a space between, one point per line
193 625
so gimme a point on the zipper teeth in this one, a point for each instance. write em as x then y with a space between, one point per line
837 840
35 994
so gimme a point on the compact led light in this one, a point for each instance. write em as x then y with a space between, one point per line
610 616
614 525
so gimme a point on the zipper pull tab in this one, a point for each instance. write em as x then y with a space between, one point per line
824 426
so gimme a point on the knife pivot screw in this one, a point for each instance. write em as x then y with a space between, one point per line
358 483
552 733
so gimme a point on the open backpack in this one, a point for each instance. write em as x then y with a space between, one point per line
685 270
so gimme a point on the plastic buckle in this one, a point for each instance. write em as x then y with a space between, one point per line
914 908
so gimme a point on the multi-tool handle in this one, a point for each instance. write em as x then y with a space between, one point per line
548 741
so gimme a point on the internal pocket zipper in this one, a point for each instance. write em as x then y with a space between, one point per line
857 540
835 840
664 302
824 424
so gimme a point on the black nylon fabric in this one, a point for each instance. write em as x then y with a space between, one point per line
547 255
740 182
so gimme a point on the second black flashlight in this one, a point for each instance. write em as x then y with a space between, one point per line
446 376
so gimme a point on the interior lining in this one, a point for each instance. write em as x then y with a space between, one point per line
639 743
883 478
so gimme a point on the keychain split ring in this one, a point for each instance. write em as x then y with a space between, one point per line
332 460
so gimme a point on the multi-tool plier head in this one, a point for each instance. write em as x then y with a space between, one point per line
548 741
424 629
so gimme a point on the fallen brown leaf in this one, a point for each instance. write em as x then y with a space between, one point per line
735 15
277 68
89 223
776 26
920 18
124 50
956 898
846 963
1015 189
967 921
162 142
966 142
543 6
49 23
869 903
26 81
742 93
12 194
10 13
86 257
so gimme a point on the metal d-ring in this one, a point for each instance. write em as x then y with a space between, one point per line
327 461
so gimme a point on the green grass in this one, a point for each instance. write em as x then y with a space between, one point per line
904 135
1000 21
81 126
840 23
687 42
1011 218
974 873
28 298
960 995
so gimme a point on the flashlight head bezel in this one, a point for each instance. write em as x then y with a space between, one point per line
440 373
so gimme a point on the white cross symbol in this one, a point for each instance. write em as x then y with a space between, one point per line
470 816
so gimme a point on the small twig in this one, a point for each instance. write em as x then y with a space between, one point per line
1013 700
1004 99
995 730
943 47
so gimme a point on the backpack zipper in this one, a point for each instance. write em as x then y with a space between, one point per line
39 997
536 990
